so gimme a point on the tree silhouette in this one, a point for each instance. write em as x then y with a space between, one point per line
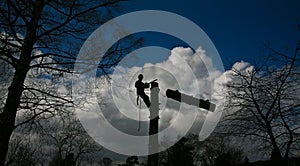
132 161
106 161
215 151
66 137
21 151
180 153
263 103
41 38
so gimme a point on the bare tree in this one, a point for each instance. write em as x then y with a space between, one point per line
21 151
217 151
52 141
65 137
41 38
264 103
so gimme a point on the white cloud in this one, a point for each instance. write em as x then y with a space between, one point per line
189 72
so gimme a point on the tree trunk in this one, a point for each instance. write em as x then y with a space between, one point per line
276 156
8 116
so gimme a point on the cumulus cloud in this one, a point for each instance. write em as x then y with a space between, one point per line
192 73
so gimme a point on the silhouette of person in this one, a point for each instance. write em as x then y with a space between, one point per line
140 90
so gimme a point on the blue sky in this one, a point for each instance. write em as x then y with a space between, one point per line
237 28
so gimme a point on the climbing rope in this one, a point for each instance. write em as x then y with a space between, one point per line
140 114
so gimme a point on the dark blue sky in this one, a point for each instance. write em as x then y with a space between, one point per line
238 28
